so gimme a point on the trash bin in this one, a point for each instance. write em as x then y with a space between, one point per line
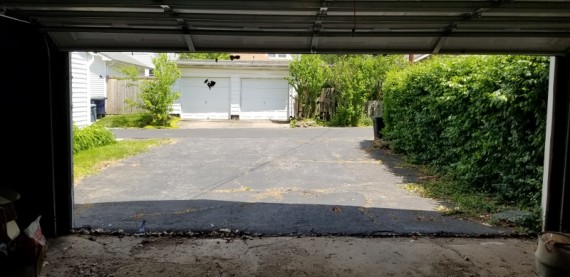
378 125
100 103
93 112
552 255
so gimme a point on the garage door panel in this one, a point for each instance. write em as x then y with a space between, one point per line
199 102
266 83
265 105
264 93
264 99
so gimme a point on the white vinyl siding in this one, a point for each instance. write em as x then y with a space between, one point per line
97 75
80 109
89 72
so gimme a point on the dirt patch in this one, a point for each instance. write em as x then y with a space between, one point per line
273 194
232 190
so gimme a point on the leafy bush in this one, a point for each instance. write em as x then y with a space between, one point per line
355 79
308 75
359 78
479 119
156 96
205 56
90 137
365 121
137 120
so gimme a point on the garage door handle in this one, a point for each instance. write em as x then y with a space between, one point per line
205 102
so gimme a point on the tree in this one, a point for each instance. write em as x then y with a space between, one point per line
205 56
358 79
308 75
156 94
131 73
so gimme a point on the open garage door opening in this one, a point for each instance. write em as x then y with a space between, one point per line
361 27
297 181
39 37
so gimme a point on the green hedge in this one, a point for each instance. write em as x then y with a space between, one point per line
90 137
478 119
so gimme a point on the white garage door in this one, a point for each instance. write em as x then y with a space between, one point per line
197 101
264 99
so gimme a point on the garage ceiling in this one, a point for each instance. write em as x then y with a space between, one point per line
301 26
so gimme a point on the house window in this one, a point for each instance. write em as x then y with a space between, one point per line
277 56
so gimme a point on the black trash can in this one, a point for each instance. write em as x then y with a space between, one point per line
100 103
378 126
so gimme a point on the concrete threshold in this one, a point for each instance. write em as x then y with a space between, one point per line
107 255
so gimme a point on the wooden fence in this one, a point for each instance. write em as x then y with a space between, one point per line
326 106
118 91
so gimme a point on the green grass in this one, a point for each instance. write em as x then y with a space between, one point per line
121 121
457 199
92 161
467 203
131 121
365 121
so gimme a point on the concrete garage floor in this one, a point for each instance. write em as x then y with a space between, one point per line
87 255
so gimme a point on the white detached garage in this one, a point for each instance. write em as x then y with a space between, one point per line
241 90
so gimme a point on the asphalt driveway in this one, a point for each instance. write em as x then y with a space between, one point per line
271 181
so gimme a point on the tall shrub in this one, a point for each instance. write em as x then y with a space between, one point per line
359 78
156 94
91 136
480 119
308 74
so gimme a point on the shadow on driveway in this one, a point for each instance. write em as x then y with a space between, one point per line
271 219
392 161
